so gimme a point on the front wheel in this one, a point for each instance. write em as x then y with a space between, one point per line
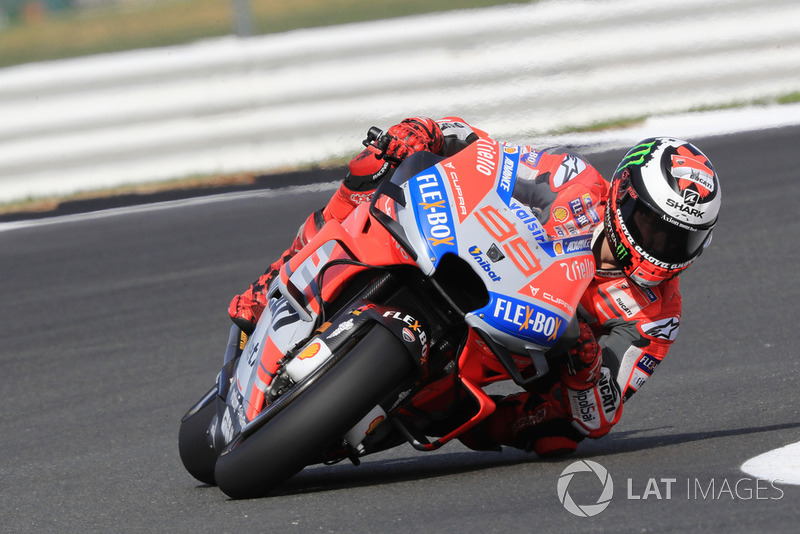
317 418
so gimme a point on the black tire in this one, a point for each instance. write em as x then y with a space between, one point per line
313 421
197 455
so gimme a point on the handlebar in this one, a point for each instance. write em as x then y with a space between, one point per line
379 140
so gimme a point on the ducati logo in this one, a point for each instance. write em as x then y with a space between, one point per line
689 169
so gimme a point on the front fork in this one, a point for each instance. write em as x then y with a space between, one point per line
236 340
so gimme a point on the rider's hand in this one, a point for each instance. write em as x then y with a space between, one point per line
413 135
585 359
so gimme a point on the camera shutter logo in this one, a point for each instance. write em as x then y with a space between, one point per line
585 510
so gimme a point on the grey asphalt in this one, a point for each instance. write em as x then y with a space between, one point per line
112 326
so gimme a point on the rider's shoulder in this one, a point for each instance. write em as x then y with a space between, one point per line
565 168
666 296
669 293
458 128
660 321
638 304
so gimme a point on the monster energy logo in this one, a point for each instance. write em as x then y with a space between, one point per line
636 155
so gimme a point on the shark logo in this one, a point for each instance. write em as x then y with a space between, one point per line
690 198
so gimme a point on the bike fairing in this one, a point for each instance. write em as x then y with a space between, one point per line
513 310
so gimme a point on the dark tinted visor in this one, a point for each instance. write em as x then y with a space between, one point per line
660 238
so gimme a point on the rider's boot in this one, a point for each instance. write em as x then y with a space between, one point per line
245 309
535 422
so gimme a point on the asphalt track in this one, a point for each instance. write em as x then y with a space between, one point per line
111 326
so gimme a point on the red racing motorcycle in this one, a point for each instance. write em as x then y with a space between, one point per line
385 326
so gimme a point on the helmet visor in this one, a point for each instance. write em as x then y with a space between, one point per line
666 239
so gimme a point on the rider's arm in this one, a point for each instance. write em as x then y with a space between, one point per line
633 349
457 135
633 341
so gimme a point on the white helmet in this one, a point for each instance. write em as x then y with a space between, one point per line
664 202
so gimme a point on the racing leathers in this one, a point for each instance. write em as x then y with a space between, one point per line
633 326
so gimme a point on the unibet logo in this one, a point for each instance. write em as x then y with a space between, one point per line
585 510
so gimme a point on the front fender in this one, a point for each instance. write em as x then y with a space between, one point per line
403 324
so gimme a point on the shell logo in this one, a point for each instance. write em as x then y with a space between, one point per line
374 424
310 351
560 214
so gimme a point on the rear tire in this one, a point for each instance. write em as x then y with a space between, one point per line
317 418
197 455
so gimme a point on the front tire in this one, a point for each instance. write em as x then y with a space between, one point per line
317 418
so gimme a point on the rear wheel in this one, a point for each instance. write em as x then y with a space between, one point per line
317 418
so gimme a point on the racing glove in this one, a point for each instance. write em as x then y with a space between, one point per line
245 309
591 393
409 136
413 135
582 369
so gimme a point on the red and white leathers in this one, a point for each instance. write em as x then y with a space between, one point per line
634 326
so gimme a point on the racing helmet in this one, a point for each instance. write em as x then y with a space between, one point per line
664 202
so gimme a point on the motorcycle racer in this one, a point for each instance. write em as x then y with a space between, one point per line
657 216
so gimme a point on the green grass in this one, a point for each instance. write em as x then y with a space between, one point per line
615 124
627 122
170 22
791 98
